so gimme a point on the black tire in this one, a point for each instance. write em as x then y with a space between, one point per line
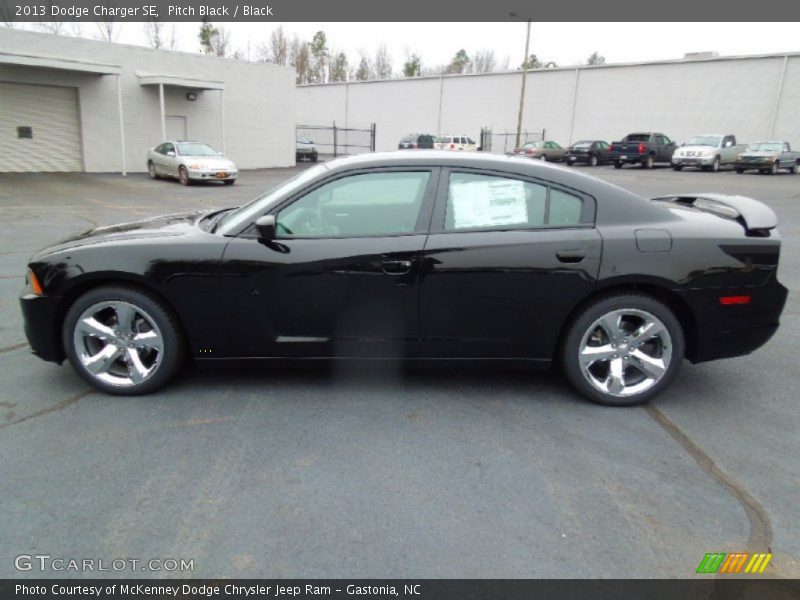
173 343
648 162
774 168
739 170
183 176
229 181
715 165
593 161
570 163
151 170
314 158
571 342
795 168
617 165
543 158
677 167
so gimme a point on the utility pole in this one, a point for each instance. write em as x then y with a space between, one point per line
524 76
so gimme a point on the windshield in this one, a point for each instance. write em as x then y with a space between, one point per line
304 140
765 147
195 149
704 140
237 219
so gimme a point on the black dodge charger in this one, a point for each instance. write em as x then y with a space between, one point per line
415 256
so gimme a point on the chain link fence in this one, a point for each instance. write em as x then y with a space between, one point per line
504 142
332 141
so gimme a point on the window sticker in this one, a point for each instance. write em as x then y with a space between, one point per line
488 203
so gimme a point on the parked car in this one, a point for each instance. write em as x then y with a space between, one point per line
456 142
591 152
768 157
305 150
707 152
391 255
546 150
645 149
417 141
190 162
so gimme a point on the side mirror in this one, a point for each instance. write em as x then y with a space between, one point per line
265 226
170 153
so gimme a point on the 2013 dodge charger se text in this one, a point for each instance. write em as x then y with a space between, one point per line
409 255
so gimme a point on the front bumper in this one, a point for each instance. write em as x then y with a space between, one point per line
211 174
693 161
627 158
42 326
304 155
752 164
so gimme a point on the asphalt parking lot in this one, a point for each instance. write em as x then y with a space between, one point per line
389 472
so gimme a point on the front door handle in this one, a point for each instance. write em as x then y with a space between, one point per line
396 267
570 256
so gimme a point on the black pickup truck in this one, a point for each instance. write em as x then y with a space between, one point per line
645 149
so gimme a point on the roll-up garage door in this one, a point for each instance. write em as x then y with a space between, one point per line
39 128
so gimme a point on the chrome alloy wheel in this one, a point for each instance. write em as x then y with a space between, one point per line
118 343
625 352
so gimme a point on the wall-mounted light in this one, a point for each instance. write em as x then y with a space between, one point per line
191 96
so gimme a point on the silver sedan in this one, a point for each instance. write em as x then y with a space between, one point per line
190 161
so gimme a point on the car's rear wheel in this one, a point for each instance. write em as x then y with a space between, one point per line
543 157
229 181
570 163
623 350
151 170
617 165
677 167
795 168
592 161
183 176
122 340
648 162
739 170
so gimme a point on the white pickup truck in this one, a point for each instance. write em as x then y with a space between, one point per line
707 152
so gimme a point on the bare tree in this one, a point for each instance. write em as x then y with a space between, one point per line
300 59
107 30
154 30
277 51
364 70
484 61
6 12
382 67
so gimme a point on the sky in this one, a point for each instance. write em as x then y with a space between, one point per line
564 43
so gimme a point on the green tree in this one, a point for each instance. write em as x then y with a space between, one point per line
364 70
459 63
596 59
413 66
339 67
213 40
533 62
300 59
319 57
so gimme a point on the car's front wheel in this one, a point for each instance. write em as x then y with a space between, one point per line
122 340
151 170
623 350
592 161
183 176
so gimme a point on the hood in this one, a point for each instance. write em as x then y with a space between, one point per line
209 162
698 147
156 227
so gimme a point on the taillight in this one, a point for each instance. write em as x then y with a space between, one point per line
642 148
729 300
611 147
452 146
413 145
529 151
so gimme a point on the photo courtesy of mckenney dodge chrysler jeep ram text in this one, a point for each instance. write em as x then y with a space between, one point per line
419 255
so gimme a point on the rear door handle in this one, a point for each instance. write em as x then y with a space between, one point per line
570 256
396 267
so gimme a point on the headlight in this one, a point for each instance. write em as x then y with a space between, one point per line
196 167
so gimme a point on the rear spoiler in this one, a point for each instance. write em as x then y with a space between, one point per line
756 217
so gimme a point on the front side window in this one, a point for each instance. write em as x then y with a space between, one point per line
489 201
369 204
168 148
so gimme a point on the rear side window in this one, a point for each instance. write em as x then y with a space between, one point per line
638 137
477 201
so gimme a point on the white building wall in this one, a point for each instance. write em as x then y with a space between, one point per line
259 100
680 98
